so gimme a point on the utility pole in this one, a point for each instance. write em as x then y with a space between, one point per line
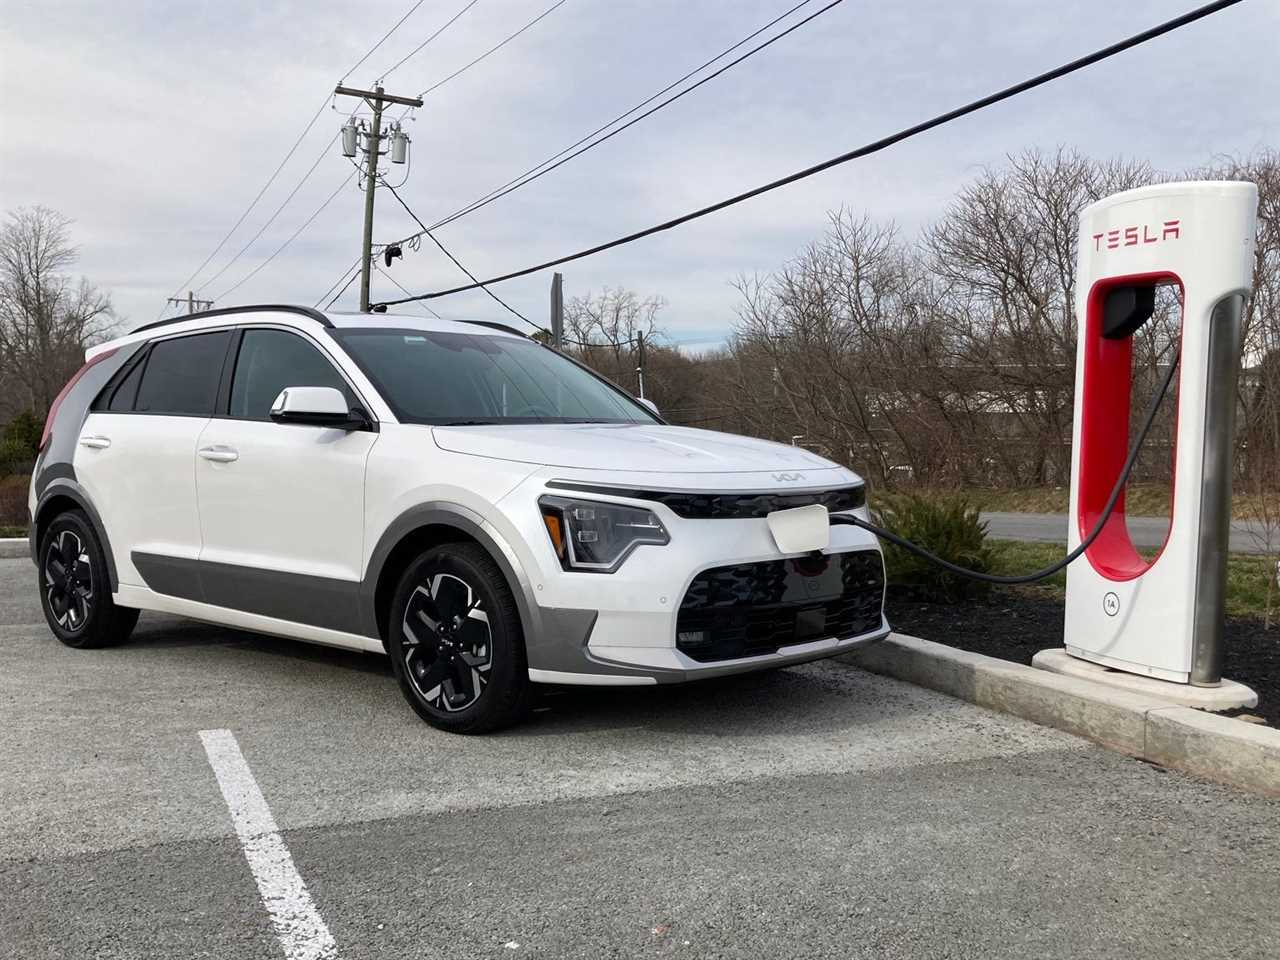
193 305
376 98
557 311
640 361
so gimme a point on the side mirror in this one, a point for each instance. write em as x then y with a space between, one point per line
645 401
315 406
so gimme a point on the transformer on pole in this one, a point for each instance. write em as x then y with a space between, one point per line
376 99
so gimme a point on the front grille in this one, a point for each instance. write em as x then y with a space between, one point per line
755 608
733 506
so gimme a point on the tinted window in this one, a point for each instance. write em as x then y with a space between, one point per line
123 395
438 377
271 360
181 375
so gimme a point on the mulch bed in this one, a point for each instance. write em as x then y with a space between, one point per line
1015 625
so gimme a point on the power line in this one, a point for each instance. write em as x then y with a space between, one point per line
288 155
456 263
435 86
254 202
494 49
863 151
555 161
280 249
414 52
394 28
272 219
401 286
354 266
350 280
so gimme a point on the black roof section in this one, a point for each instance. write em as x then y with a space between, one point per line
310 312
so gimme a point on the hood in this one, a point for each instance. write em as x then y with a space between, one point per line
630 447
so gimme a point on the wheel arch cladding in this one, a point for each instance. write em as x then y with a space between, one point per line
62 495
408 537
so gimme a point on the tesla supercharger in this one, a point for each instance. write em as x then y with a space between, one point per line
1162 617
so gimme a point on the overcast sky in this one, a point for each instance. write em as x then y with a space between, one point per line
153 124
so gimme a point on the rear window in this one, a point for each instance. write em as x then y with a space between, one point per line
123 396
181 375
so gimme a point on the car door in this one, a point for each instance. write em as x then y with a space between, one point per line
282 505
135 457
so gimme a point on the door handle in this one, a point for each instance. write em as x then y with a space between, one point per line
96 442
219 454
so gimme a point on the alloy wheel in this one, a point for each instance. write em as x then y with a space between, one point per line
68 577
448 645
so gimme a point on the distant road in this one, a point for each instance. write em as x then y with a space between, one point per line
1146 531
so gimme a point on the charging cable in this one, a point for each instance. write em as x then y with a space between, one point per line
1156 401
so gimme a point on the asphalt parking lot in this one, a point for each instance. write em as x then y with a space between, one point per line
813 812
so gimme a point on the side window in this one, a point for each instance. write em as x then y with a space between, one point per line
181 375
271 360
120 391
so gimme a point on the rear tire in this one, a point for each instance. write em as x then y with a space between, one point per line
455 641
75 589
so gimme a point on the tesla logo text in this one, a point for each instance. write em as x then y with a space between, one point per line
1143 233
788 477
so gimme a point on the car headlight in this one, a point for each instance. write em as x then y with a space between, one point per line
596 537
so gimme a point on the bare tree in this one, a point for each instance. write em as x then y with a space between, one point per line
1005 253
47 318
821 348
605 328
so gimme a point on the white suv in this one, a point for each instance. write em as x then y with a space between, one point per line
486 511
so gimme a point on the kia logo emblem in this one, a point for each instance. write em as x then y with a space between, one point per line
788 477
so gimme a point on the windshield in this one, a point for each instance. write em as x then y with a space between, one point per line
456 379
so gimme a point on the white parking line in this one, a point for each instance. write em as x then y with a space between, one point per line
302 933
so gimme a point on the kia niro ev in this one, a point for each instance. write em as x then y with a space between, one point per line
484 510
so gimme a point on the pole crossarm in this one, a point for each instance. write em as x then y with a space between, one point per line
192 304
377 95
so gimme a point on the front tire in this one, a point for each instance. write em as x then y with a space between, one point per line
455 641
75 591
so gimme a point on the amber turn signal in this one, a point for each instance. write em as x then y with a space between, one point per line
556 530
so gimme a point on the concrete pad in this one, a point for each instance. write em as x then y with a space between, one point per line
1221 748
1227 695
1067 703
13 548
1139 724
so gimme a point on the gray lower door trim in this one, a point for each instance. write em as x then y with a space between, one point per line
294 597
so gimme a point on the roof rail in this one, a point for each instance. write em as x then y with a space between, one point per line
494 325
309 312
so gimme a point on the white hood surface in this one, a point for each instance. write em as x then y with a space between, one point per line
626 447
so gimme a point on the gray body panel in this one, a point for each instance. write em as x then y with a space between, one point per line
55 472
58 458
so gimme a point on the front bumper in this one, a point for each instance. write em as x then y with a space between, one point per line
624 628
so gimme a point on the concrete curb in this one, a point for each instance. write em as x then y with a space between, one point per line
13 547
1219 748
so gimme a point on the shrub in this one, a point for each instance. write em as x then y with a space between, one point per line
13 501
947 526
19 443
